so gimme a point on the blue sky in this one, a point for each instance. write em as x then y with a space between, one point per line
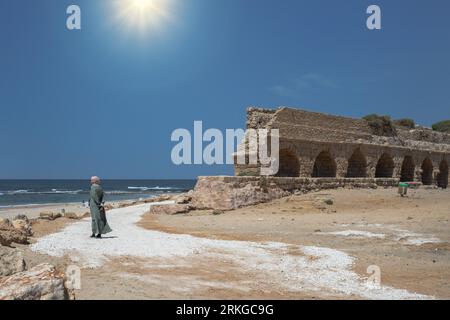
104 100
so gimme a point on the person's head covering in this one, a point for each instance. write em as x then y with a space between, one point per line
95 179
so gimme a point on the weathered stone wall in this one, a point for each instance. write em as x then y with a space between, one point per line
258 117
298 124
226 193
320 145
421 135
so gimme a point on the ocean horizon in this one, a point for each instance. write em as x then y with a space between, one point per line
24 192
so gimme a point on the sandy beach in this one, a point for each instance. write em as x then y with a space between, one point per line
33 211
311 246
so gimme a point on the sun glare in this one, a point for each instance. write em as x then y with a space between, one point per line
142 15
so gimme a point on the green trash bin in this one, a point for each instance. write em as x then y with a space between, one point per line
403 188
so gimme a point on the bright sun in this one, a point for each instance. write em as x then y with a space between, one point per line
142 15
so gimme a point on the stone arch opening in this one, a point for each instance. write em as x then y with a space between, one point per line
289 165
357 165
442 178
407 173
385 167
427 172
324 166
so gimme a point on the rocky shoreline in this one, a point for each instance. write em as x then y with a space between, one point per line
43 281
17 281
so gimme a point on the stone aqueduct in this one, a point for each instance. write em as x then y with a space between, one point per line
316 145
319 161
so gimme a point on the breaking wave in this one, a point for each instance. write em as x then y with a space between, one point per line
152 188
130 190
53 191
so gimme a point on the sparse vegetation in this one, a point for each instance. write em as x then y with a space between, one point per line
247 173
442 126
381 125
406 123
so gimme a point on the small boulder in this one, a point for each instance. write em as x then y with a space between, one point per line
22 223
71 215
46 215
171 209
217 212
5 223
9 234
85 215
42 282
160 198
4 241
49 215
21 217
12 235
182 199
11 261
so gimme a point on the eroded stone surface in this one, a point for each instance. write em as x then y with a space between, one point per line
22 223
11 261
171 209
226 193
9 235
42 282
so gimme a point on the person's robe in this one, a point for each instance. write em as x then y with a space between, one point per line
99 223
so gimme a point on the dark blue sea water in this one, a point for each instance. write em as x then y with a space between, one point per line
26 192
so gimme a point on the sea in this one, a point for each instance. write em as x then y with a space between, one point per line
37 192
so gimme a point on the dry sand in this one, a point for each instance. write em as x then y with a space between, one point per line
268 251
413 252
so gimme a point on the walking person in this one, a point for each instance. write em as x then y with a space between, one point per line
99 223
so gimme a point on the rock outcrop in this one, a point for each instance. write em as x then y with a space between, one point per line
4 223
9 234
183 198
11 261
42 282
171 209
72 215
227 193
22 223
49 215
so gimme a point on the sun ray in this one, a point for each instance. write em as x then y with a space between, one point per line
142 15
